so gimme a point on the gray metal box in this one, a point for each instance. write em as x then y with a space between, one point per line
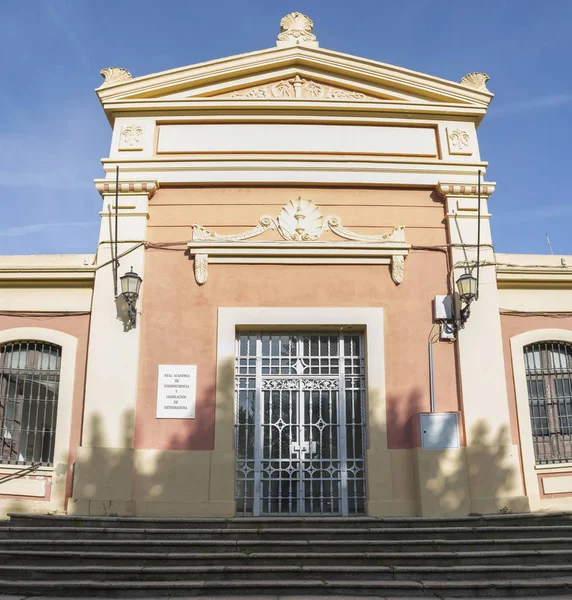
439 431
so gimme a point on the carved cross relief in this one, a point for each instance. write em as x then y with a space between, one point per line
301 222
296 88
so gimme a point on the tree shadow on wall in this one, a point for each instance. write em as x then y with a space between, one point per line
481 478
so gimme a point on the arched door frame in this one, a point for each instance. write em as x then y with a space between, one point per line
59 471
517 345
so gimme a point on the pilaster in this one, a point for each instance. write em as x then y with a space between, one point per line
104 466
493 463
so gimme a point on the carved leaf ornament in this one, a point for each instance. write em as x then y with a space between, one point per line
301 221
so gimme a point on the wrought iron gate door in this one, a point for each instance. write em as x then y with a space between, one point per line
300 428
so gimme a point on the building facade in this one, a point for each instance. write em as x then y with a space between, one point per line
299 218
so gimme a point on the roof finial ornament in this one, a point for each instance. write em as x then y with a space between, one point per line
477 81
296 30
114 76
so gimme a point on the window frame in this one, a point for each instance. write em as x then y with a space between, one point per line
58 473
530 469
30 372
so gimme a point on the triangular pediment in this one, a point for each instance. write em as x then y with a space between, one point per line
290 74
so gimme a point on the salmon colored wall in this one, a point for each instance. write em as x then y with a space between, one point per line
514 325
179 318
78 326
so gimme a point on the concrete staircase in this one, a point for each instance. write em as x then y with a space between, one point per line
500 555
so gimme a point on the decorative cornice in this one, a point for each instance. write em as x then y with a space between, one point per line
296 88
107 187
299 220
114 76
296 29
522 276
300 224
454 189
477 81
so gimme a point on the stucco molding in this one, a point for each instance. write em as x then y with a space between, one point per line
301 224
114 76
107 187
521 276
68 344
296 29
131 137
459 140
258 68
300 220
297 88
452 190
517 345
476 80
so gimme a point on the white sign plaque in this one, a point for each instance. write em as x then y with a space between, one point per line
177 392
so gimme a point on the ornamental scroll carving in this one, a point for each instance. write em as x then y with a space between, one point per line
300 221
297 88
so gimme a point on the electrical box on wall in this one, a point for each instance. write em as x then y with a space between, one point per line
442 308
439 431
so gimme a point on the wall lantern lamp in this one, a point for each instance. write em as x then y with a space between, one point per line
130 285
467 286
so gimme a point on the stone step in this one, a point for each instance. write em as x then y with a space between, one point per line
514 520
281 572
141 589
32 558
274 533
311 545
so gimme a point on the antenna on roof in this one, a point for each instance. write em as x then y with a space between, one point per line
548 242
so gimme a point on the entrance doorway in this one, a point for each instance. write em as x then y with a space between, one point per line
300 424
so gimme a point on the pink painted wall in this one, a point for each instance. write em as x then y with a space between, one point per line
179 318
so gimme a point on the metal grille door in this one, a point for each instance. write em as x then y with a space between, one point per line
300 429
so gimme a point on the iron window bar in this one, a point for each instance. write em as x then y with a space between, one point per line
548 367
29 387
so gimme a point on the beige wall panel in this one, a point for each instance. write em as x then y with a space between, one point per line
443 482
223 472
404 473
45 299
499 459
103 474
557 485
400 141
24 487
171 476
546 300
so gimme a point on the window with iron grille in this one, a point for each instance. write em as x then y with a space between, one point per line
29 378
549 379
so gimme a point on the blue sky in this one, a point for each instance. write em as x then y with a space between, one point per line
53 132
